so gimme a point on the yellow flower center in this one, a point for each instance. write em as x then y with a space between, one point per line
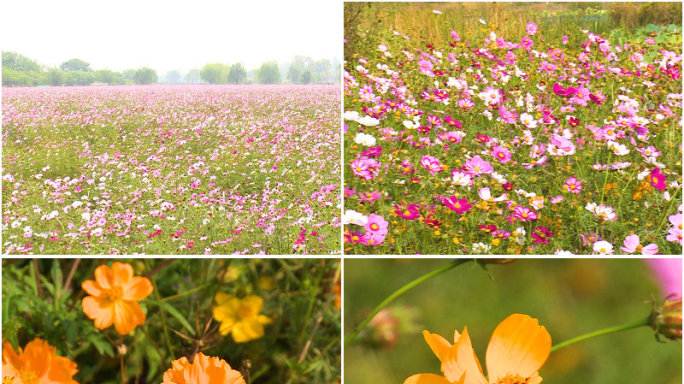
603 250
457 205
113 294
513 379
524 215
639 247
374 227
654 179
476 169
407 213
28 377
244 311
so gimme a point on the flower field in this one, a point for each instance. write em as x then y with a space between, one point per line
494 145
72 321
171 170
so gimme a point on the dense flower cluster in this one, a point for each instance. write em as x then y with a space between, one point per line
509 147
167 170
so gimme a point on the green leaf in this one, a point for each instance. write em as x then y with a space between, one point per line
102 346
173 312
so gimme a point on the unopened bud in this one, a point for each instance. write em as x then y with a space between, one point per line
666 320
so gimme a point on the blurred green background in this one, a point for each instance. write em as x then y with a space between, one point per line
569 297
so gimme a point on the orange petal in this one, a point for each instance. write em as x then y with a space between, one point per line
37 356
62 370
92 287
439 345
461 362
11 358
426 378
137 288
104 277
519 345
127 316
122 273
102 311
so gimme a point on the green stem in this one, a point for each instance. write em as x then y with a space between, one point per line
178 296
353 334
161 313
601 332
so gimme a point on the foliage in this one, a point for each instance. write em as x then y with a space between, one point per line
42 298
145 75
75 65
268 73
237 74
215 73
17 62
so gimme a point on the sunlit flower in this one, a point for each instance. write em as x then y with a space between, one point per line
518 348
459 206
603 248
114 297
240 317
202 370
632 244
37 363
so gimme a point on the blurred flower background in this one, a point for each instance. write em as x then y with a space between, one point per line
570 297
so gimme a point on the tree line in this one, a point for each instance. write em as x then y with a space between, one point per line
19 70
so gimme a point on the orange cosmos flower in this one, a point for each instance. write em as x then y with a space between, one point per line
517 350
202 370
114 297
36 364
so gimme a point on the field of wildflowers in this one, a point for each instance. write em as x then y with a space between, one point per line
171 321
171 170
493 145
563 320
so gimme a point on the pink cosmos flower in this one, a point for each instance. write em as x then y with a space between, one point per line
573 185
502 154
376 224
632 244
459 206
370 197
524 213
668 274
455 35
531 28
372 238
431 163
476 166
507 116
658 179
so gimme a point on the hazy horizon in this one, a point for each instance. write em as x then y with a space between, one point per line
169 36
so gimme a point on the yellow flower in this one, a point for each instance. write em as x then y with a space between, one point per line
240 317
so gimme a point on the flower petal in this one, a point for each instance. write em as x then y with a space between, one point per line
137 288
102 311
519 345
104 277
247 330
92 287
439 345
461 364
254 303
426 378
122 273
127 316
227 310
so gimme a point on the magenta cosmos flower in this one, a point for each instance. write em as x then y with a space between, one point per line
502 154
376 224
459 206
431 163
541 235
632 244
658 179
476 166
407 211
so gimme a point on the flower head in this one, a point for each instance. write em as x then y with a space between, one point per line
502 154
240 317
114 297
376 224
658 180
459 206
203 369
517 350
36 363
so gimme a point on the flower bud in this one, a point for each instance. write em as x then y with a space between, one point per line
666 320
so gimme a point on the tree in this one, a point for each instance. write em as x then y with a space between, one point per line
78 78
215 73
55 77
237 74
294 74
193 77
145 75
75 65
17 62
306 77
173 77
268 73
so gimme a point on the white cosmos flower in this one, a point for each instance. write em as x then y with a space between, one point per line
351 115
350 216
603 248
365 139
368 121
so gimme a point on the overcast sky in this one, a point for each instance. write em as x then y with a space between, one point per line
168 35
